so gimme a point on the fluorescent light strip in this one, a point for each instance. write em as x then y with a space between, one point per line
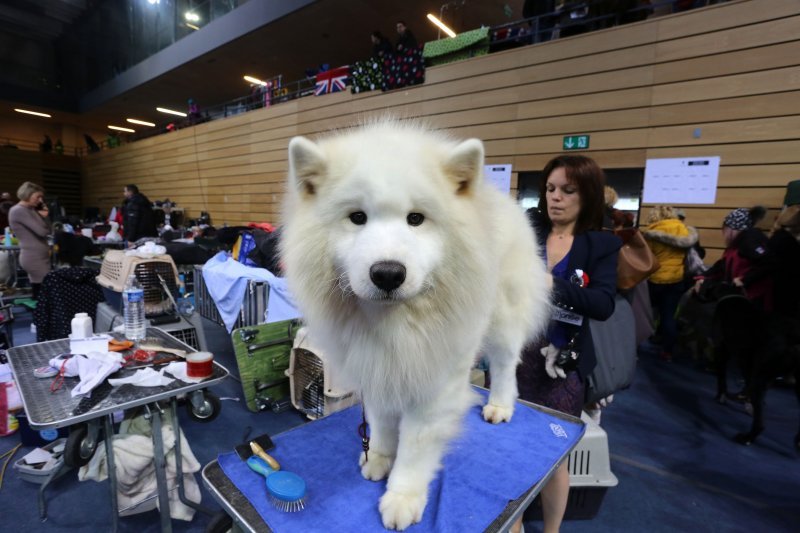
45 115
251 79
170 111
195 28
141 122
441 25
120 128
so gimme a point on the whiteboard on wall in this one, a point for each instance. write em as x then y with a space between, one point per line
681 180
499 176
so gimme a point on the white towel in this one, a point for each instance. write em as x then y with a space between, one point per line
144 377
135 468
92 370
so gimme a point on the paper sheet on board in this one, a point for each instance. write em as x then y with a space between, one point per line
684 180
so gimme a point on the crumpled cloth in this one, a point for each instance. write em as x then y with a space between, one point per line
147 250
226 280
144 377
178 369
92 369
135 467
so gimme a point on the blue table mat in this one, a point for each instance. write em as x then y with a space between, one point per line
485 468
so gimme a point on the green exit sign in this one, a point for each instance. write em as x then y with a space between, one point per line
576 142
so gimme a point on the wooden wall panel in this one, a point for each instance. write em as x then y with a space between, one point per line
730 72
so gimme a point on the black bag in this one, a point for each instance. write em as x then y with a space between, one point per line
615 347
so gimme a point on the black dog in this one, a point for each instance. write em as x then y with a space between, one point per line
766 346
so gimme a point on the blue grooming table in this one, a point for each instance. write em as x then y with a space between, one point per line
491 474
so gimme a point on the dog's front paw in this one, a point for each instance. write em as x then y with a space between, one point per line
377 467
497 413
398 511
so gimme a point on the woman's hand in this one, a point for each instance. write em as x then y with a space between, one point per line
43 210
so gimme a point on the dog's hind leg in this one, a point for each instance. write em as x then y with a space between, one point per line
758 390
797 393
383 433
721 368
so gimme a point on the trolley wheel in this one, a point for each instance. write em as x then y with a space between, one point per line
220 523
80 446
205 409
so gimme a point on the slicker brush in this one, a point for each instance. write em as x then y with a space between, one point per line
286 490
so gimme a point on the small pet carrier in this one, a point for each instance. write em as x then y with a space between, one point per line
590 476
314 388
116 268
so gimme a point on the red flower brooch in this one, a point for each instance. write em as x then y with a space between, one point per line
579 278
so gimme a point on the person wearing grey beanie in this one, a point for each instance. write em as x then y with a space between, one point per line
746 261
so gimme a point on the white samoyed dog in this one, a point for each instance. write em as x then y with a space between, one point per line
406 264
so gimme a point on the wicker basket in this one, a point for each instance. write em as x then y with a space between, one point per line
117 266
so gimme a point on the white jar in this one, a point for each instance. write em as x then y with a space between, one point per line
82 326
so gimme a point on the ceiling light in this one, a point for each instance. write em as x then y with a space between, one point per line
151 2
195 28
257 81
191 16
45 115
170 111
120 128
142 122
441 25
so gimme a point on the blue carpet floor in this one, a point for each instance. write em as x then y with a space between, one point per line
670 445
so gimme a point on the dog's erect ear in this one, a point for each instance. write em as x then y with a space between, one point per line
465 165
306 165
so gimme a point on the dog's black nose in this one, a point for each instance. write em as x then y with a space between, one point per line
387 275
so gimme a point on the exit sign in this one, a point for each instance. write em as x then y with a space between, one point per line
576 142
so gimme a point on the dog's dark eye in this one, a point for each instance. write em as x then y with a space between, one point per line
359 218
415 219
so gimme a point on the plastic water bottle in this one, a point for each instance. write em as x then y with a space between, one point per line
7 237
133 300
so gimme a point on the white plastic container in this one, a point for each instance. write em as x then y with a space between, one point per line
82 326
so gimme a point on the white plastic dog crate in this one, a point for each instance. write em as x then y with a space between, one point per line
117 267
253 308
590 476
314 388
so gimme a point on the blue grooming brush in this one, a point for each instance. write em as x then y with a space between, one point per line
286 490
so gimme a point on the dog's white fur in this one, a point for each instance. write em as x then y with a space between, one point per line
473 281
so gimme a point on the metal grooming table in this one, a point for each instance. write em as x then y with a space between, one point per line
244 515
46 409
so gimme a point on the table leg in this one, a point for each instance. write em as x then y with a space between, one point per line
53 476
108 425
160 461
179 462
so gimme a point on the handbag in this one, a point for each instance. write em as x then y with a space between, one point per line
614 343
636 260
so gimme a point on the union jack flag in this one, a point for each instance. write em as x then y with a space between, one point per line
332 81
